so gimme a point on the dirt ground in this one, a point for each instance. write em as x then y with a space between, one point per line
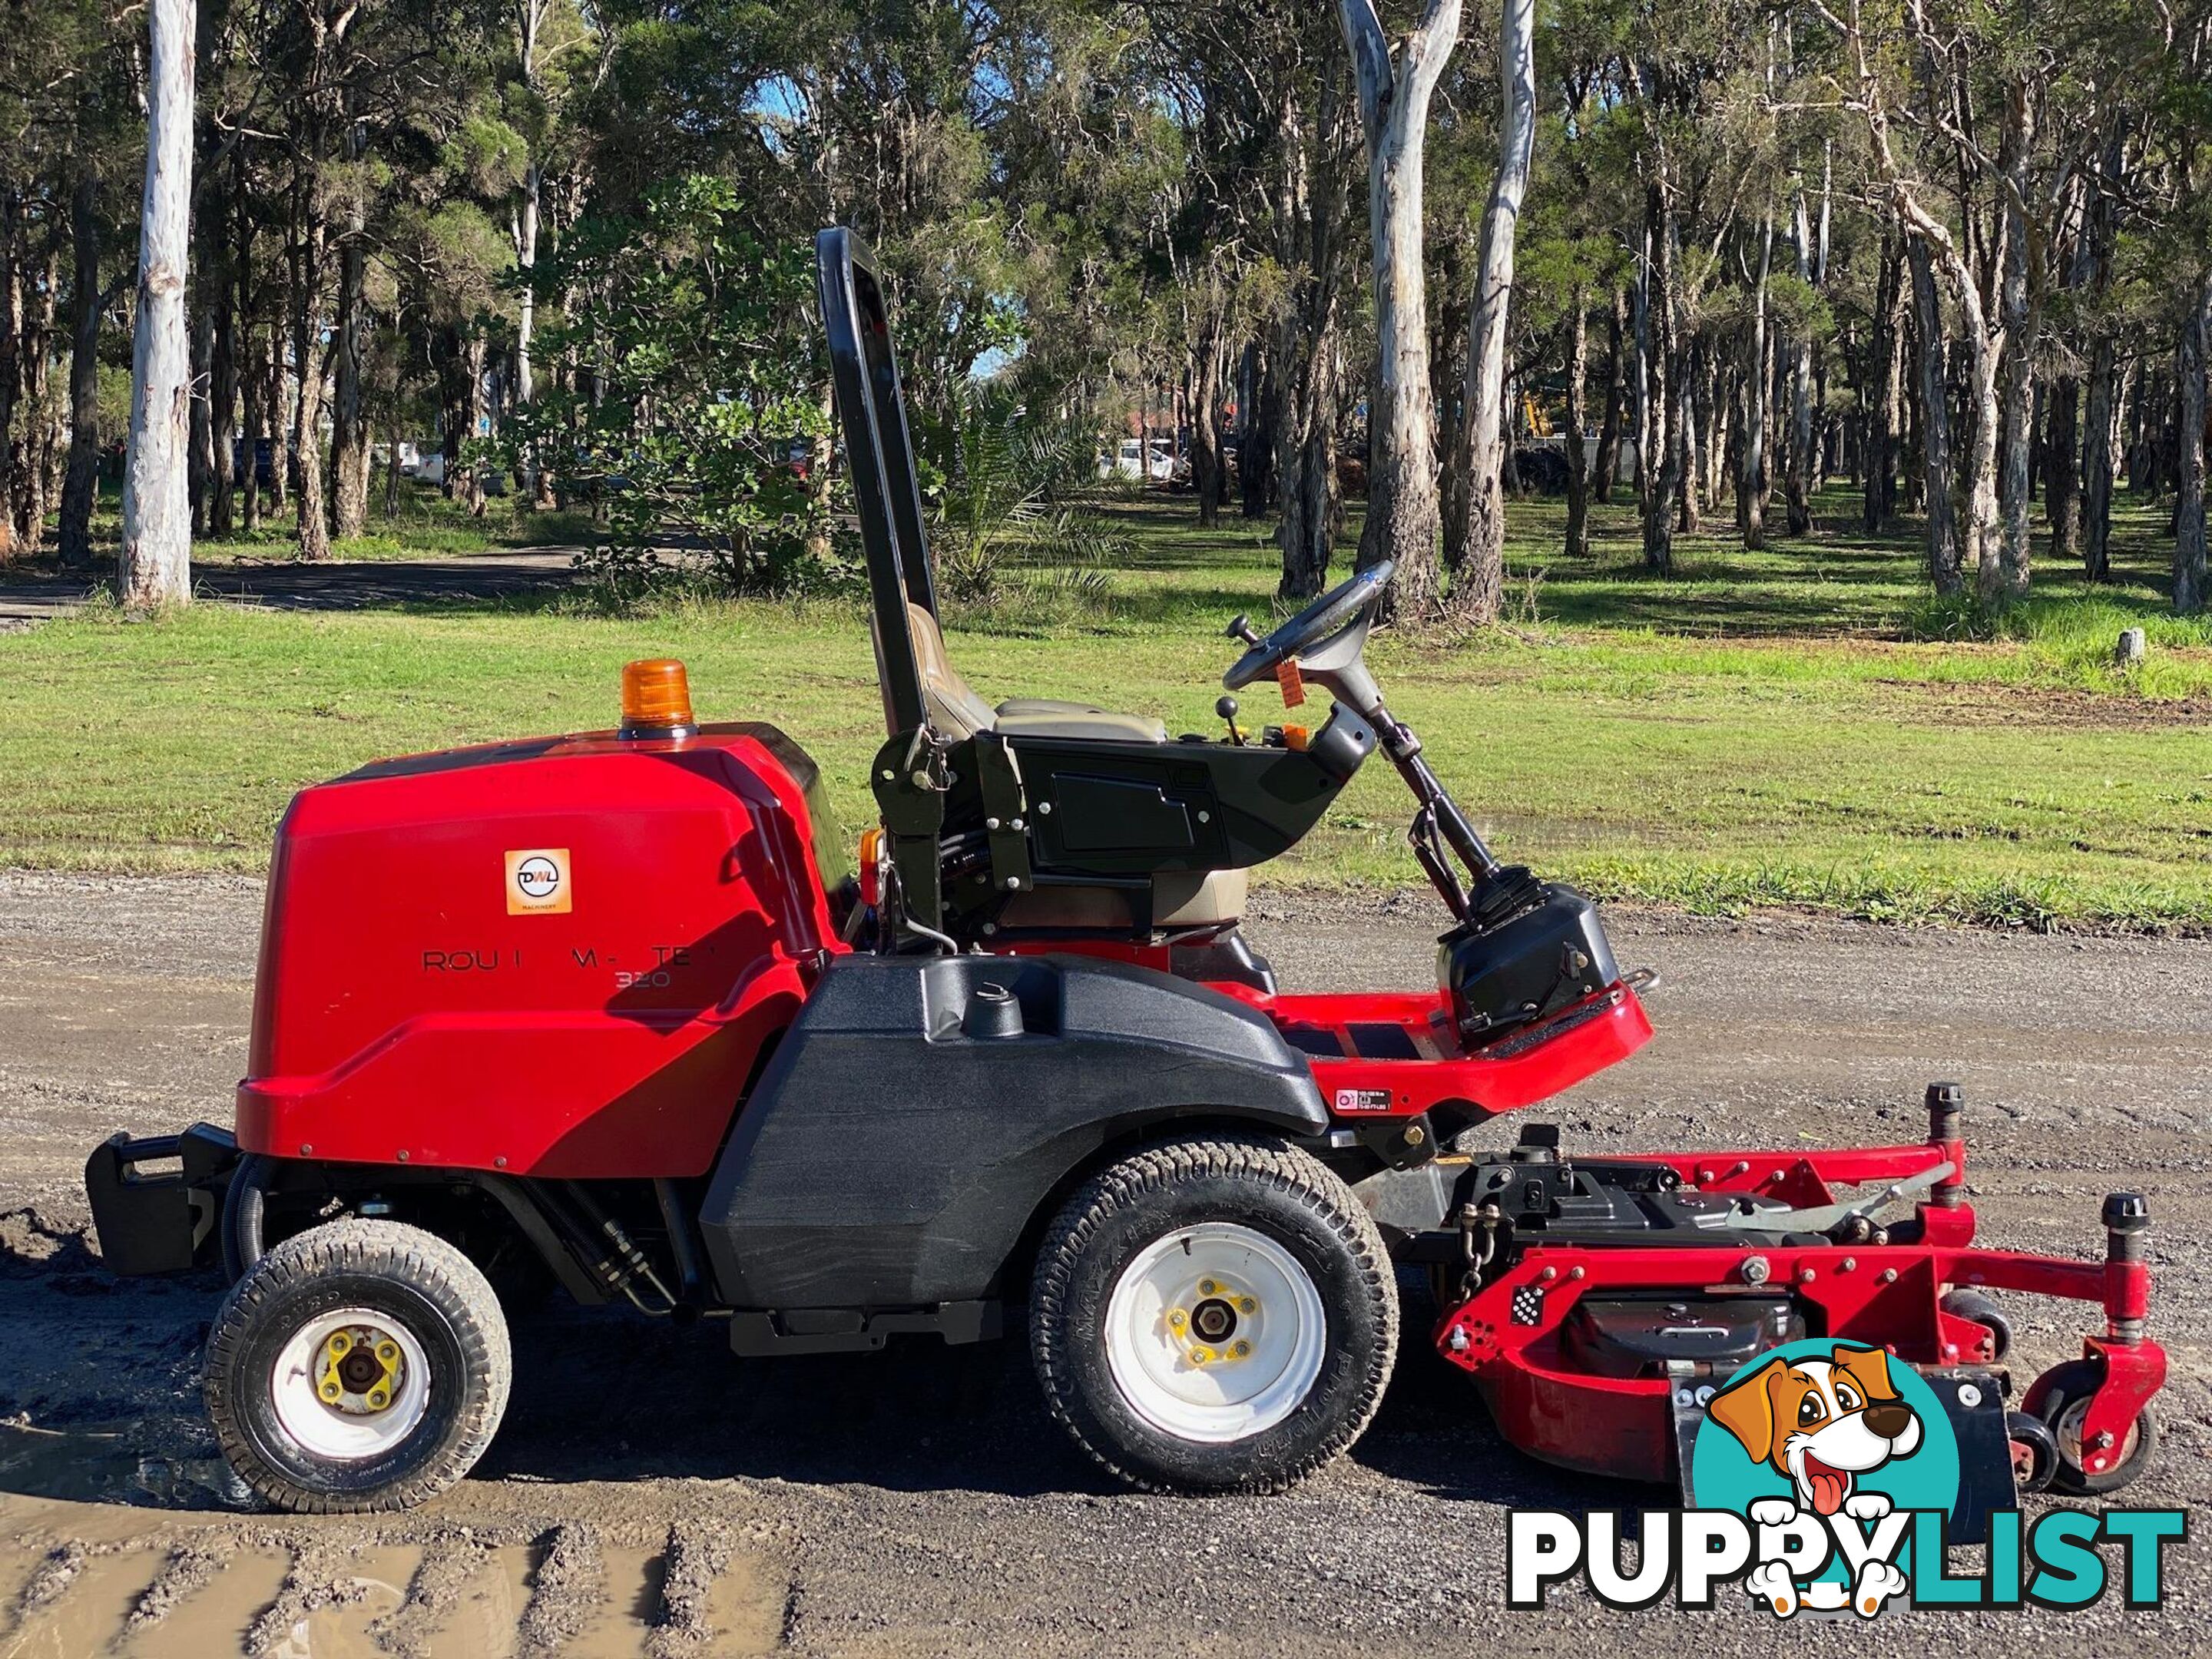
650 1494
337 584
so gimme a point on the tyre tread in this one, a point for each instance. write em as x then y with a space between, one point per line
1291 1173
380 1248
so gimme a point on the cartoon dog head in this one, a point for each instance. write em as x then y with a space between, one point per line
1820 1422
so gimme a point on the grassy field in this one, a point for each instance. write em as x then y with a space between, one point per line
1800 727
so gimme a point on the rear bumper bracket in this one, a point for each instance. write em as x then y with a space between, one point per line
159 1220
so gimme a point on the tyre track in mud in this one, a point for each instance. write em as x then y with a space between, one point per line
649 1495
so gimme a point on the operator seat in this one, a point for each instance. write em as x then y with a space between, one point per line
959 712
1179 899
1131 834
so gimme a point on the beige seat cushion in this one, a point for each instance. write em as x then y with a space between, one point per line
1082 723
957 712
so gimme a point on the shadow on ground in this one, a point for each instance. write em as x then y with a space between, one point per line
341 585
101 1386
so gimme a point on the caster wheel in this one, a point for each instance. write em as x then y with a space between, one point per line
358 1365
1214 1316
1972 1304
2035 1451
2063 1405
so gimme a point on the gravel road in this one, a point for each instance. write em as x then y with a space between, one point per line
649 1494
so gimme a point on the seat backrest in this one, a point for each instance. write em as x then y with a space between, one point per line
955 708
880 466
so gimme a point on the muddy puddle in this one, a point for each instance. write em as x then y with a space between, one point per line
79 1580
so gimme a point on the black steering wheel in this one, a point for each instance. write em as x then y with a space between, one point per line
1319 621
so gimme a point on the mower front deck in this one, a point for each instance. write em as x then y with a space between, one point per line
1589 1332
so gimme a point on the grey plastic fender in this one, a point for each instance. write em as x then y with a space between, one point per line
921 1109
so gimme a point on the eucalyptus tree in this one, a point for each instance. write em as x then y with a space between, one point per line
155 568
1474 528
1395 83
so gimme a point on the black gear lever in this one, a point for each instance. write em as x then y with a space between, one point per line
1240 628
1226 708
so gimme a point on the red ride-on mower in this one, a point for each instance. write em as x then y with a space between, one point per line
616 1010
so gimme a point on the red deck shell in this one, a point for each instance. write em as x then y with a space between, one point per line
402 1014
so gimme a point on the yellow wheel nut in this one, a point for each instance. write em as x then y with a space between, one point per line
1242 1348
1246 1305
340 1344
1199 1356
1206 1287
1178 1318
378 1399
387 1352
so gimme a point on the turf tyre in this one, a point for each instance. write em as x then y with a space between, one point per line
412 1279
1229 1184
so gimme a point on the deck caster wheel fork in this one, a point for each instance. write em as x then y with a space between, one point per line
2094 1459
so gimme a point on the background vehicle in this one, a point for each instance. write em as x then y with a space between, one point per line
1129 461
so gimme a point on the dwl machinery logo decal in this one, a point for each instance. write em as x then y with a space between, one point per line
1826 1478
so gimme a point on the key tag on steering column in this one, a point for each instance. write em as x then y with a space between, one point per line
1292 681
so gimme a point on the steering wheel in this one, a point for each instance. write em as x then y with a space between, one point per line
1319 621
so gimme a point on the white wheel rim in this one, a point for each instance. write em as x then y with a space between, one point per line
1186 1371
370 1415
2068 1433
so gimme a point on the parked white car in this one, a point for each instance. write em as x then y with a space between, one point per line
1127 461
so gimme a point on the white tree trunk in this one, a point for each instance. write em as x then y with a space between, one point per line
526 257
1980 533
350 446
157 522
1751 472
1477 560
537 484
1401 465
2018 320
1798 488
2190 556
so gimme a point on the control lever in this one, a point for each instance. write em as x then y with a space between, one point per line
1240 628
1226 708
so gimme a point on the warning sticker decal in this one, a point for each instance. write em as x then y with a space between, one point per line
1363 1100
537 882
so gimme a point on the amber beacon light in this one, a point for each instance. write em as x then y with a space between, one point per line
656 699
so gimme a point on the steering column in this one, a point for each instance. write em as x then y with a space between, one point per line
1326 641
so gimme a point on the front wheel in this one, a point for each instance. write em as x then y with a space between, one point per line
358 1365
1213 1314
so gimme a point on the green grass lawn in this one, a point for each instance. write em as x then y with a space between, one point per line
1800 727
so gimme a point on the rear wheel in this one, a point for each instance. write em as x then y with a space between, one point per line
358 1365
1213 1314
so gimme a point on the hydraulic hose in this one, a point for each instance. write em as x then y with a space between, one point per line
243 1208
